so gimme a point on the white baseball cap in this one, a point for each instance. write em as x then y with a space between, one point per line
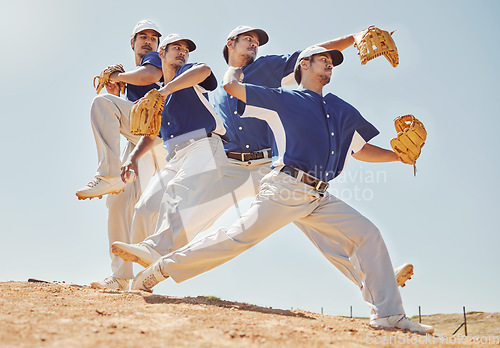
174 38
145 24
337 56
263 37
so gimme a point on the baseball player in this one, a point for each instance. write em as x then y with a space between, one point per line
109 118
296 189
191 130
249 154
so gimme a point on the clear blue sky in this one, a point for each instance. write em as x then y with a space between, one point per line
444 220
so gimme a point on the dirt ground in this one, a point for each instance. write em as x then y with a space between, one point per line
35 314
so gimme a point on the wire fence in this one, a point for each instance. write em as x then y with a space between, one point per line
463 324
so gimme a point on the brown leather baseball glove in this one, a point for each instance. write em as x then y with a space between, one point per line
410 139
145 115
103 78
375 42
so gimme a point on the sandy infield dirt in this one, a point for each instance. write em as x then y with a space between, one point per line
35 314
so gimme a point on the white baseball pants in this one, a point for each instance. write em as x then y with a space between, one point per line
240 180
109 117
174 194
281 200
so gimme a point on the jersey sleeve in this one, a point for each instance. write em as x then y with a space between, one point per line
263 97
152 58
209 84
288 78
282 66
289 61
363 131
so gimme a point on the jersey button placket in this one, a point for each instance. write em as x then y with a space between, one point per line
330 138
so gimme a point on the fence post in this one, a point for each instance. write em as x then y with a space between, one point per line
465 322
351 311
419 315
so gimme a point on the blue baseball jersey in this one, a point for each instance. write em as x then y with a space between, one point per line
188 112
313 133
250 134
134 92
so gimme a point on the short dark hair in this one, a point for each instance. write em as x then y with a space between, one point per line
225 50
298 73
225 53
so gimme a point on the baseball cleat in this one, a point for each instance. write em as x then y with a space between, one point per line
110 283
140 253
401 322
82 198
100 186
148 278
403 273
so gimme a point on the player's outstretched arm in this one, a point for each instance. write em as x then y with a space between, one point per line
189 78
340 43
372 153
142 76
233 85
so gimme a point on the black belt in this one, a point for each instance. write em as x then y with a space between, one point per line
184 144
317 184
249 156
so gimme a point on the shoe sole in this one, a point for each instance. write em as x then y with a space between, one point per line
97 286
385 328
393 328
82 197
128 257
404 274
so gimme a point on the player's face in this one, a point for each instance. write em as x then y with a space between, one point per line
246 46
322 66
145 42
176 54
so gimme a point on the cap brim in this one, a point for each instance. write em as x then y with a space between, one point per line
337 57
263 37
191 45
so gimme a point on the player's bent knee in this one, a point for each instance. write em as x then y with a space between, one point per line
99 104
98 101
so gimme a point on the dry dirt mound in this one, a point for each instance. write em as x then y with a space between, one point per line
61 315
